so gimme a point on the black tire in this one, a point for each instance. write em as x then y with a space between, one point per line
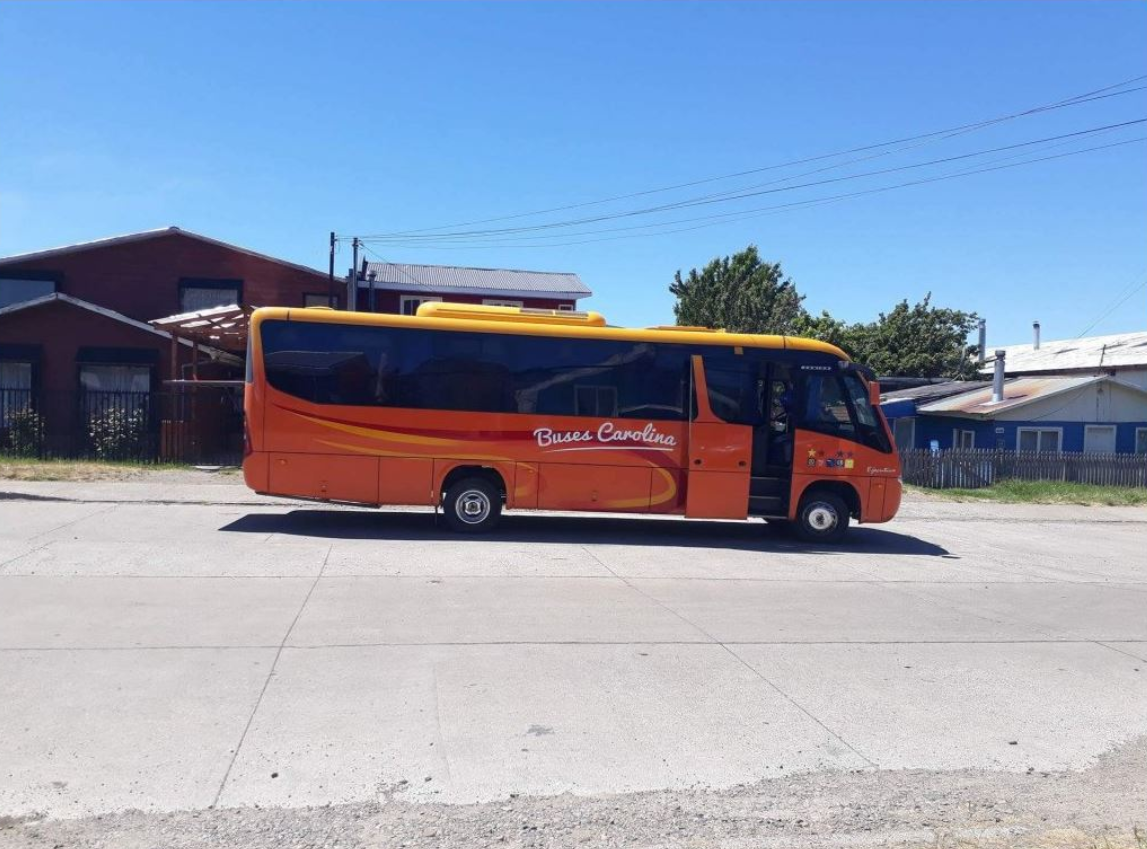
823 517
472 505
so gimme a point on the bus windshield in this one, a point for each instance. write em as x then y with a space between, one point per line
838 405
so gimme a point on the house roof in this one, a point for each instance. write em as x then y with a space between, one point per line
932 391
112 314
1018 392
150 234
473 281
1120 350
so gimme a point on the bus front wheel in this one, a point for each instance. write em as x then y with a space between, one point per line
472 505
823 517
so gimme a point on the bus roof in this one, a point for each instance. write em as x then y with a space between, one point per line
535 322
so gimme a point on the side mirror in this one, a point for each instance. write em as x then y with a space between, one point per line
874 393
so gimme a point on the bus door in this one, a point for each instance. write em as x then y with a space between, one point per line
773 441
719 454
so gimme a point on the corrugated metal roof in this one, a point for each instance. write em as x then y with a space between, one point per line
1120 350
441 277
1017 392
932 391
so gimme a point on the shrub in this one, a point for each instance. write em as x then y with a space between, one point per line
25 433
118 434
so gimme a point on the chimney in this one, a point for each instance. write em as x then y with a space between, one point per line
1035 335
998 378
983 340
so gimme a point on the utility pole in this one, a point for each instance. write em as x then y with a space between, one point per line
331 275
352 287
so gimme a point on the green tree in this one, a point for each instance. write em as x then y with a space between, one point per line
835 331
921 341
908 341
744 294
741 293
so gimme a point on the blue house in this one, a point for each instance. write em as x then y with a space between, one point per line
1091 413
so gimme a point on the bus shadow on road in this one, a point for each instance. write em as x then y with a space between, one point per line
576 530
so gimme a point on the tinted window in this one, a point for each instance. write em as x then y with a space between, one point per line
734 391
480 372
15 290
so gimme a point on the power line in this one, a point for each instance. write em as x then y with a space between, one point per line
393 265
702 201
733 215
743 215
511 232
1114 307
1087 97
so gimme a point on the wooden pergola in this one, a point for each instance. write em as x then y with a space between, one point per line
222 331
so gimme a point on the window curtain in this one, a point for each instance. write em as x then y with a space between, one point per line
115 378
113 387
196 298
15 390
15 375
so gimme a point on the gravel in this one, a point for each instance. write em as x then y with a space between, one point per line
1104 807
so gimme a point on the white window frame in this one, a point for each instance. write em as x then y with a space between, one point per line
1135 447
912 439
1114 433
958 434
417 300
567 308
1021 430
502 302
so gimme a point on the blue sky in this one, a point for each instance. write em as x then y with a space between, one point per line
269 125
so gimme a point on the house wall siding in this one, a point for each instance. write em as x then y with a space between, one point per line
60 329
940 428
141 278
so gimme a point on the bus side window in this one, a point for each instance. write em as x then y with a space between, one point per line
734 395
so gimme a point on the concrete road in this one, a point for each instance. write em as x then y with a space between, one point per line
163 653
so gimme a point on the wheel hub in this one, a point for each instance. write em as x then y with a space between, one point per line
473 506
822 517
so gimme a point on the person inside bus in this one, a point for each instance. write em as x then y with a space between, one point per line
783 404
385 379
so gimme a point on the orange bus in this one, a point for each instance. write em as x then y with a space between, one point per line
476 409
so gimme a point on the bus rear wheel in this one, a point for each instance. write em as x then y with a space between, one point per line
472 505
823 517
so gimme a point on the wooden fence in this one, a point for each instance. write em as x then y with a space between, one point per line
972 468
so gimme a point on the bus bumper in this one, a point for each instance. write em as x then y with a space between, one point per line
256 471
893 492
